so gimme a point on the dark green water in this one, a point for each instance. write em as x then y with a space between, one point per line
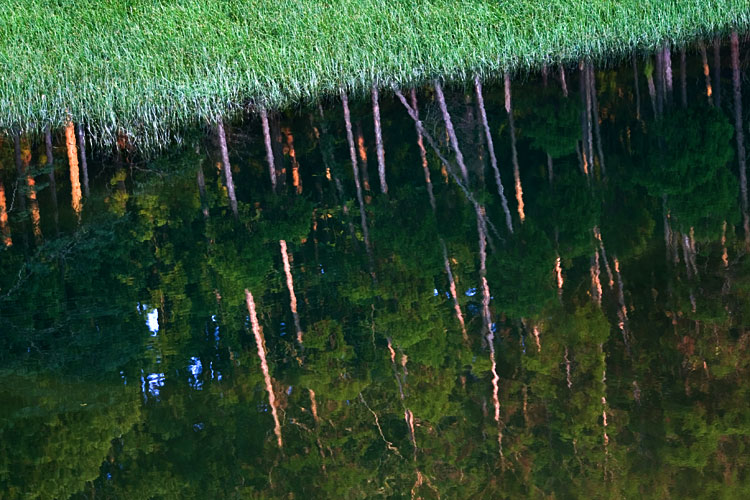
615 333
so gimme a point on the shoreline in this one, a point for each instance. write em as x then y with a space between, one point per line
150 69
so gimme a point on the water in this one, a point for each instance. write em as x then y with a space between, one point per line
157 346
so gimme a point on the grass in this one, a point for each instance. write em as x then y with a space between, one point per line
150 67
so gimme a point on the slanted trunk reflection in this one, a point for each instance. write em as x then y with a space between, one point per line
362 154
706 72
226 167
379 139
4 226
423 151
261 346
491 148
355 172
563 83
488 326
289 150
36 221
451 132
683 76
19 154
668 78
514 152
52 183
84 163
269 148
290 286
595 112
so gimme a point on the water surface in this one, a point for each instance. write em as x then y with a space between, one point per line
589 342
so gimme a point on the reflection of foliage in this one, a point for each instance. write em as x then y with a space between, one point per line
520 273
571 209
286 219
690 146
207 432
55 436
688 161
628 227
331 365
708 206
553 124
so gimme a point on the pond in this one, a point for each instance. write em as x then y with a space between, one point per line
549 301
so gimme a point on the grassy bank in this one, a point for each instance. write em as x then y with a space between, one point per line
149 66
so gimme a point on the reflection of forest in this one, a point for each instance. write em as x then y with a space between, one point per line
612 330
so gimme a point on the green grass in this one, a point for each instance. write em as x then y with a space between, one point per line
153 66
